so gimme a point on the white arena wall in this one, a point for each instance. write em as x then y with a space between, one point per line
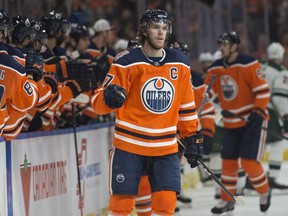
38 172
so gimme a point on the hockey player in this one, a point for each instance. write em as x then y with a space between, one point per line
150 92
242 89
58 29
143 200
18 93
277 77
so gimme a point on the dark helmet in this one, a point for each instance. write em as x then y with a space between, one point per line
79 31
231 38
180 46
4 20
54 21
22 28
41 34
156 15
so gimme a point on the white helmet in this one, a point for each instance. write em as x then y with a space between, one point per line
275 51
205 56
217 55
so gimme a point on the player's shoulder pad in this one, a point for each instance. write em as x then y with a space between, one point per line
13 50
9 61
216 63
176 56
244 59
47 54
130 56
197 79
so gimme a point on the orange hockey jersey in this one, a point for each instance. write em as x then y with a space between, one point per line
207 114
17 94
240 87
160 100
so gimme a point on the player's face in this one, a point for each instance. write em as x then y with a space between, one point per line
83 44
225 49
1 37
157 33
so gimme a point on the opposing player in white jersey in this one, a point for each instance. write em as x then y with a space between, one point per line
277 77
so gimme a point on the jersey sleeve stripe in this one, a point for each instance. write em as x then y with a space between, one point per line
261 87
191 104
187 111
263 96
188 118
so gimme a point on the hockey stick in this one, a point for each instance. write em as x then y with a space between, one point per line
227 113
205 98
77 156
237 199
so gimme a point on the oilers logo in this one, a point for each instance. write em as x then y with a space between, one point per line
229 87
157 95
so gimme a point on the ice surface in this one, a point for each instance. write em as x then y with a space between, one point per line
203 200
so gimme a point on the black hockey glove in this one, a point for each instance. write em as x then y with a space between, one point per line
78 86
208 140
34 65
207 144
255 120
51 79
61 70
100 71
114 96
194 149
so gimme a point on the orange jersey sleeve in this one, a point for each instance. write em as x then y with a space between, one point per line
207 115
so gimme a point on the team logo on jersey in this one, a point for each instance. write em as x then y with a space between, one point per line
121 54
229 87
157 95
260 74
120 178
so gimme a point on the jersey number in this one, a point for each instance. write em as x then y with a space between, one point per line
108 80
2 90
28 88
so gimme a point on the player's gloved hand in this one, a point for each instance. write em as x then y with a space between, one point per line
114 96
34 65
194 149
208 140
207 144
255 119
78 86
50 78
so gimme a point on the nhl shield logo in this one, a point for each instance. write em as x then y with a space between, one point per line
157 95
229 87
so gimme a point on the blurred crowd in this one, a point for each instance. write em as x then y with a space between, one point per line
258 22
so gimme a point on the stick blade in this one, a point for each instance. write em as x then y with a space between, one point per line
240 200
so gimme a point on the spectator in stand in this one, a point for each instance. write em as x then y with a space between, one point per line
103 37
120 45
